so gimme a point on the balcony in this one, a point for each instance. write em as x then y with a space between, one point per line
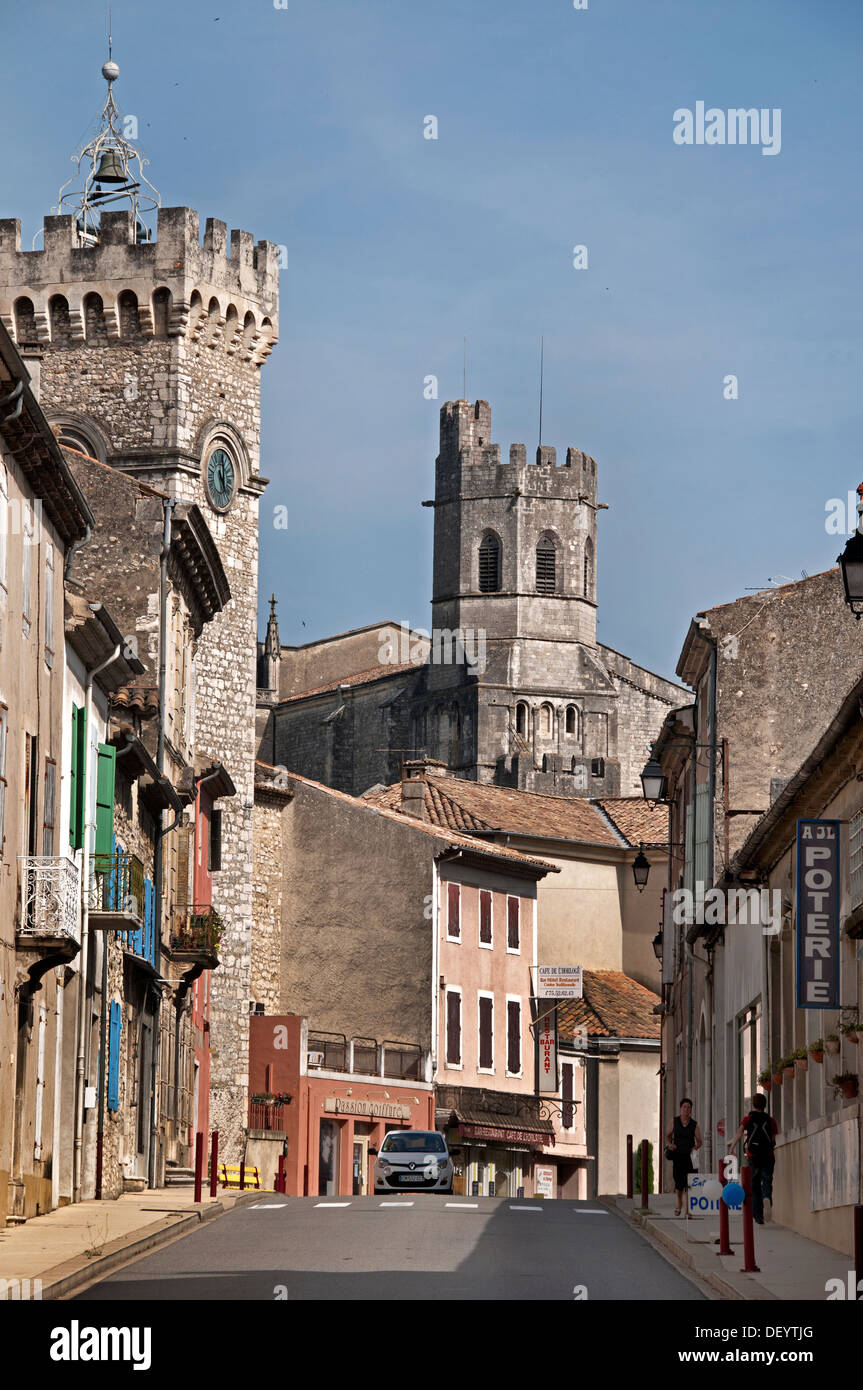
196 930
267 1111
116 896
50 909
393 1061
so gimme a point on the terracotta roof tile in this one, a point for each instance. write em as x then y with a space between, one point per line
638 821
614 1005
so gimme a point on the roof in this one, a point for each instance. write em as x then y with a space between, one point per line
613 1005
639 821
375 673
479 807
512 857
92 633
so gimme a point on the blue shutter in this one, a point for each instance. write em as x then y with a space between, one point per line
145 948
114 1057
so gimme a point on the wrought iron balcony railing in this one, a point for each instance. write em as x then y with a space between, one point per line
116 897
50 906
196 930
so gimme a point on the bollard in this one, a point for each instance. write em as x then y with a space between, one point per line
749 1265
644 1175
214 1165
199 1164
724 1228
629 1167
281 1178
242 1175
858 1247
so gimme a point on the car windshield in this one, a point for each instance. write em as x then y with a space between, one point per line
409 1143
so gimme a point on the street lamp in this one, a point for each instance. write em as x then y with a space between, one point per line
656 943
851 564
653 780
641 869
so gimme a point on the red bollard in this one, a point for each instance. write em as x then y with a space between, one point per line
281 1179
242 1174
214 1166
644 1175
724 1228
749 1265
629 1166
199 1164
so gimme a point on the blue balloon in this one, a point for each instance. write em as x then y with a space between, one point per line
732 1195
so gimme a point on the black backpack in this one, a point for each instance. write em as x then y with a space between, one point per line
759 1136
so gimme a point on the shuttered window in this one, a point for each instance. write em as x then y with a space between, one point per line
78 779
485 918
489 565
513 1036
4 715
215 860
567 1109
114 1057
453 1027
486 1032
546 557
49 602
48 807
105 768
513 930
185 891
4 521
453 921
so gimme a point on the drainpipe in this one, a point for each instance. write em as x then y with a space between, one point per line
76 545
83 1028
168 505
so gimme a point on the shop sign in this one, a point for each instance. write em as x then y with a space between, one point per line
543 1181
509 1137
546 1046
558 982
377 1109
818 914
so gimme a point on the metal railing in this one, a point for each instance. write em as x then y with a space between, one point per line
196 927
269 1112
117 884
49 897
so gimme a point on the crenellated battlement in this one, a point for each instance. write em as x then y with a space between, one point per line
465 442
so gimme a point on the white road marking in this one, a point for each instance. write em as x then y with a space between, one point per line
512 1208
591 1211
395 1204
267 1206
329 1205
462 1206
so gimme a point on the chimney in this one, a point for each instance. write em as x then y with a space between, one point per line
414 790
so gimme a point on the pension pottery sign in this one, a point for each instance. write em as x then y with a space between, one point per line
818 914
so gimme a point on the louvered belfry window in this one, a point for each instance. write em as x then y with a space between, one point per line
545 567
489 565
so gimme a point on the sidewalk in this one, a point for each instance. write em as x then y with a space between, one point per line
791 1267
71 1247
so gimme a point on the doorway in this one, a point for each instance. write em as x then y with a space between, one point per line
361 1165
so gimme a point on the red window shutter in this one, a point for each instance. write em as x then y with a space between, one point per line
513 1035
512 924
486 1054
453 926
567 1112
453 1027
485 917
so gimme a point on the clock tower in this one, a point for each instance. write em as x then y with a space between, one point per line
146 353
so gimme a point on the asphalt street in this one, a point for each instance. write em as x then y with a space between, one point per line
400 1247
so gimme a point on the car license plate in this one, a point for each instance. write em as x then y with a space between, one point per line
412 1177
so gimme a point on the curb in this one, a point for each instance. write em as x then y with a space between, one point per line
63 1281
728 1286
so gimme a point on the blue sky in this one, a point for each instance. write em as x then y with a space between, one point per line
305 126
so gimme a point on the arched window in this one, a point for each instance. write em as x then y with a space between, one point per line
130 326
546 721
588 569
489 564
521 720
25 322
58 313
94 320
571 721
161 312
232 324
546 566
250 331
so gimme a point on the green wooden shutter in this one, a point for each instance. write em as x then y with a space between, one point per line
78 790
105 768
114 1056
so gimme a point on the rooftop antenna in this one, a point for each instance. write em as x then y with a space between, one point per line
541 365
464 369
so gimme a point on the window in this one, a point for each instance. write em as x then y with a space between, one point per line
513 925
215 853
486 1031
115 1026
546 558
4 521
485 918
453 921
48 808
489 565
49 603
513 1036
588 570
521 720
4 714
105 765
453 1027
78 779
567 1082
855 858
748 1054
571 721
546 721
27 563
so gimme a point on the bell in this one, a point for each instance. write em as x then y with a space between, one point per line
110 169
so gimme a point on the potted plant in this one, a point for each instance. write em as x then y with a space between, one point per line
788 1066
816 1050
801 1060
831 1043
764 1079
777 1071
846 1082
850 1030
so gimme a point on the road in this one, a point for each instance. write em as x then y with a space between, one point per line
393 1248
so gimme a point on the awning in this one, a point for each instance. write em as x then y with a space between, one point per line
503 1134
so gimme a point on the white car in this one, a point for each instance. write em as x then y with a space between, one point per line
415 1159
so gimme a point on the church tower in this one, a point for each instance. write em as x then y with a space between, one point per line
515 571
146 354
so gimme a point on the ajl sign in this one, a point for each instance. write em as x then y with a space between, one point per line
818 914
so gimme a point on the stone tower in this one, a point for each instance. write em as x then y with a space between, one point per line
515 566
146 355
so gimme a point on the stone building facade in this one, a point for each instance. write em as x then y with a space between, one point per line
510 686
147 358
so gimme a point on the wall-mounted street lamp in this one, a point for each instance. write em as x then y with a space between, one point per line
656 943
851 564
653 781
641 869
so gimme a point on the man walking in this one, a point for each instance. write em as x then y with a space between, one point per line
760 1130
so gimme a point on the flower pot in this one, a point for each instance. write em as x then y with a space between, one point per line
788 1071
765 1085
817 1056
801 1064
831 1047
849 1089
853 1036
777 1078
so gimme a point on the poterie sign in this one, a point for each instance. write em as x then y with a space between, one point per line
818 914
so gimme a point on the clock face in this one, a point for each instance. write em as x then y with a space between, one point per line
221 479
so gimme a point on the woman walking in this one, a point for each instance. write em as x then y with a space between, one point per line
683 1136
